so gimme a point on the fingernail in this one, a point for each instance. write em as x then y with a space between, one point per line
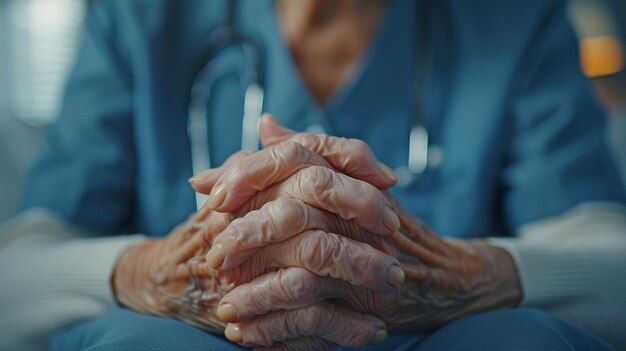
226 313
215 257
396 276
233 333
389 174
391 220
216 197
380 336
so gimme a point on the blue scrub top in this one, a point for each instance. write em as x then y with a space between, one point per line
521 132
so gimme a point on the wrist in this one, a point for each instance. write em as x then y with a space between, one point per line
130 274
506 289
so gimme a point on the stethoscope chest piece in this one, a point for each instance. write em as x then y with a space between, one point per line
424 160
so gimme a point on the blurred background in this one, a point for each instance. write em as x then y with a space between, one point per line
38 40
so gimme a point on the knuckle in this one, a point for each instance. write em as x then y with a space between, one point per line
317 318
323 141
301 216
317 249
236 157
235 174
367 261
241 229
282 218
298 285
236 166
315 180
332 318
359 157
255 304
359 147
294 151
278 154
349 331
290 216
307 140
268 222
328 254
326 187
373 199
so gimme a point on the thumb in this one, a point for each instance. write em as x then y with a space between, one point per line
272 132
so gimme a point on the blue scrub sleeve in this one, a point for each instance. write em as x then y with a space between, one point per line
85 170
559 155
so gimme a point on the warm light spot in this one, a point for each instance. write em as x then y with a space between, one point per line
601 56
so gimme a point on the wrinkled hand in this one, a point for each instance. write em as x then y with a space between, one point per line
170 277
447 278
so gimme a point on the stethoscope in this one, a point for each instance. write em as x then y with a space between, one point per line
422 156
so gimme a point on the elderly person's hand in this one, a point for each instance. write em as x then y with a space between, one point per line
296 308
170 277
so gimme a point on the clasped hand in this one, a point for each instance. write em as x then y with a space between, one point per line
299 247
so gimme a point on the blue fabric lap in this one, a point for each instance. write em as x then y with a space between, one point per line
519 329
512 330
122 329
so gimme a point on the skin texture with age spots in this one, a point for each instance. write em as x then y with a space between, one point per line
445 279
170 277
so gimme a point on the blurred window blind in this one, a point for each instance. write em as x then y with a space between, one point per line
44 39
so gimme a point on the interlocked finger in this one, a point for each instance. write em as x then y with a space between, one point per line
327 321
278 221
326 255
294 288
350 156
243 175
258 171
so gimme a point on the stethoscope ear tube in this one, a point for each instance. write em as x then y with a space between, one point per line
197 123
197 130
419 160
252 110
420 154
418 149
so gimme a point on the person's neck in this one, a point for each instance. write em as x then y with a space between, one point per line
327 38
